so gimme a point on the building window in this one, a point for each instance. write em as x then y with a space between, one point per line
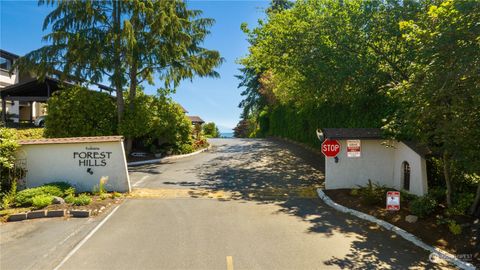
5 63
406 175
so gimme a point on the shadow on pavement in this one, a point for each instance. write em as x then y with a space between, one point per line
284 174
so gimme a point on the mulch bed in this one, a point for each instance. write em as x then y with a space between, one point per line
427 229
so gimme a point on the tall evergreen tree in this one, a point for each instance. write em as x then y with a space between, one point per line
126 42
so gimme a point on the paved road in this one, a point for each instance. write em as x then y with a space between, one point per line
246 204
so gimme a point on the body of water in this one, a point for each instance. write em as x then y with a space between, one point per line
226 134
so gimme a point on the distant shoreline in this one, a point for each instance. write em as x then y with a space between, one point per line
226 134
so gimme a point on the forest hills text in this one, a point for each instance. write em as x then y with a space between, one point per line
92 158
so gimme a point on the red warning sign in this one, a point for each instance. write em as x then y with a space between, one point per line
393 200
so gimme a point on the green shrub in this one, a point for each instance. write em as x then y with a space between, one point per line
8 171
9 198
185 149
41 201
138 123
77 111
462 203
300 122
54 186
354 192
69 192
115 195
82 199
158 122
373 194
211 130
438 193
423 206
69 198
24 197
172 126
455 228
30 133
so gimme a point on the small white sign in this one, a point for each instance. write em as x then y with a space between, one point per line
393 200
353 148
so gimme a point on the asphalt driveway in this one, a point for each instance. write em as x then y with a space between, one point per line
245 204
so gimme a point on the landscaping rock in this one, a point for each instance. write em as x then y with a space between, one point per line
55 213
36 214
80 213
17 217
58 200
411 219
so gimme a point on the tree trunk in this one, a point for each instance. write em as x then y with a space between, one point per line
476 203
131 96
133 72
446 174
117 72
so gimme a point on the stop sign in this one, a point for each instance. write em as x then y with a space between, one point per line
330 148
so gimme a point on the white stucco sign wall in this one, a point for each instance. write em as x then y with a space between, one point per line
380 164
78 161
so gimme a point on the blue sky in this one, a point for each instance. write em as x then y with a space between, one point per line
212 99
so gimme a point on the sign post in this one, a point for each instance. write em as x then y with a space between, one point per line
330 148
393 200
353 148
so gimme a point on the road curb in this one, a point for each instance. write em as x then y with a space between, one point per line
406 235
81 213
153 161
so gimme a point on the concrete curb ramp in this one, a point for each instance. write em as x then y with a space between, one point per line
153 161
406 235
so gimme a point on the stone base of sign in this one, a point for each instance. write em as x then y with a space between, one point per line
36 214
80 213
160 160
56 213
17 217
406 235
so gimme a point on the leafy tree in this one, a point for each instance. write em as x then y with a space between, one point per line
170 125
325 63
127 42
244 129
441 97
77 111
413 65
138 121
253 99
211 130
279 5
256 96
